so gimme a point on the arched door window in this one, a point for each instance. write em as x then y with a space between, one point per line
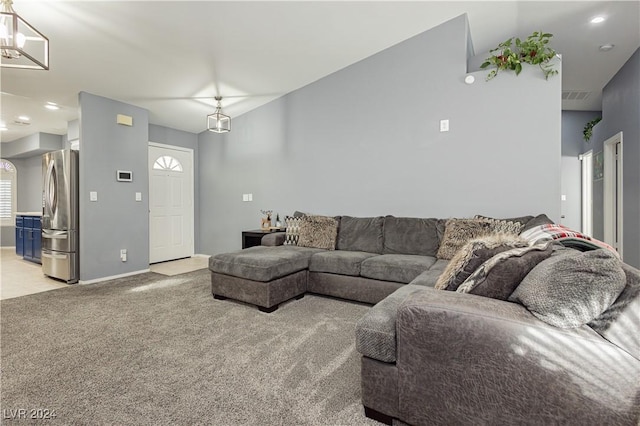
8 178
167 162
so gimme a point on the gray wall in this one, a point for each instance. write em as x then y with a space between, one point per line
116 221
365 141
621 112
169 136
573 123
30 184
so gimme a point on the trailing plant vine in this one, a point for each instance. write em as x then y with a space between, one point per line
534 50
588 129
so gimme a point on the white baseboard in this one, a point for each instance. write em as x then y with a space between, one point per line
113 277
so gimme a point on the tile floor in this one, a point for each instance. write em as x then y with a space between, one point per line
19 277
180 266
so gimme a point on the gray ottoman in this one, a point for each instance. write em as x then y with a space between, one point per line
263 276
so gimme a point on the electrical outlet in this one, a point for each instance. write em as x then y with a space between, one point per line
444 125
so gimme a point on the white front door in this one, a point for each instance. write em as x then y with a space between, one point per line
171 208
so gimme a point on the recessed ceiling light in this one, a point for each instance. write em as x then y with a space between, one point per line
597 20
606 47
24 118
51 106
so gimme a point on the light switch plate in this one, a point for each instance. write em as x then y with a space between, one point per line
93 196
444 125
138 196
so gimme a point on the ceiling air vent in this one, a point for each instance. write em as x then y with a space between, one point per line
19 122
574 95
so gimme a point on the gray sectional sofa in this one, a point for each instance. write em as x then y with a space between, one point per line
432 357
373 258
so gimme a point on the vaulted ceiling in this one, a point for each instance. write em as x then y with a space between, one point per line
173 57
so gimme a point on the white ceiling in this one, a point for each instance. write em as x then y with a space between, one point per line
173 57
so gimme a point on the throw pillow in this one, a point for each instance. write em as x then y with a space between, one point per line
541 219
293 230
318 232
523 220
458 232
570 290
499 276
472 255
503 225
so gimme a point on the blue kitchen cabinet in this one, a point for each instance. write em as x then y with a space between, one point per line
31 241
19 236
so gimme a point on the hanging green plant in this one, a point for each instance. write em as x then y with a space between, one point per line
533 50
588 129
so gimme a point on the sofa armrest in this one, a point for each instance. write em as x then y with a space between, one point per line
273 239
465 359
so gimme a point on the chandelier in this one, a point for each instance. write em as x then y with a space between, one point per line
21 45
218 122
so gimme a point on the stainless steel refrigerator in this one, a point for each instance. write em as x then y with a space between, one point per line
60 257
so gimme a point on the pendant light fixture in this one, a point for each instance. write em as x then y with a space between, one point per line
21 45
218 122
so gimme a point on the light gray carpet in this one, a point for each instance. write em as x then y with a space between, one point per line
152 349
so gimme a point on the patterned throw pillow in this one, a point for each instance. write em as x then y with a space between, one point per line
458 232
472 255
318 232
499 276
506 226
293 230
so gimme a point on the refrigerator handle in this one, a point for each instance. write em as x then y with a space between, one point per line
51 190
53 256
54 236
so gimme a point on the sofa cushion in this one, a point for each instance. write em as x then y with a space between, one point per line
500 275
401 268
318 232
429 277
472 255
360 234
570 290
503 225
376 330
410 235
339 262
458 232
262 263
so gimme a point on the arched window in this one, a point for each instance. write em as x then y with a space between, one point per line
8 177
166 162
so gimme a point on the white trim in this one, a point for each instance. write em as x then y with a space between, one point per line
610 183
173 147
113 277
586 183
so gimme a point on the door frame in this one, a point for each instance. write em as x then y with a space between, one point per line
189 151
613 202
586 180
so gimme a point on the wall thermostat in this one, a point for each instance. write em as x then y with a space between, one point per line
124 176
